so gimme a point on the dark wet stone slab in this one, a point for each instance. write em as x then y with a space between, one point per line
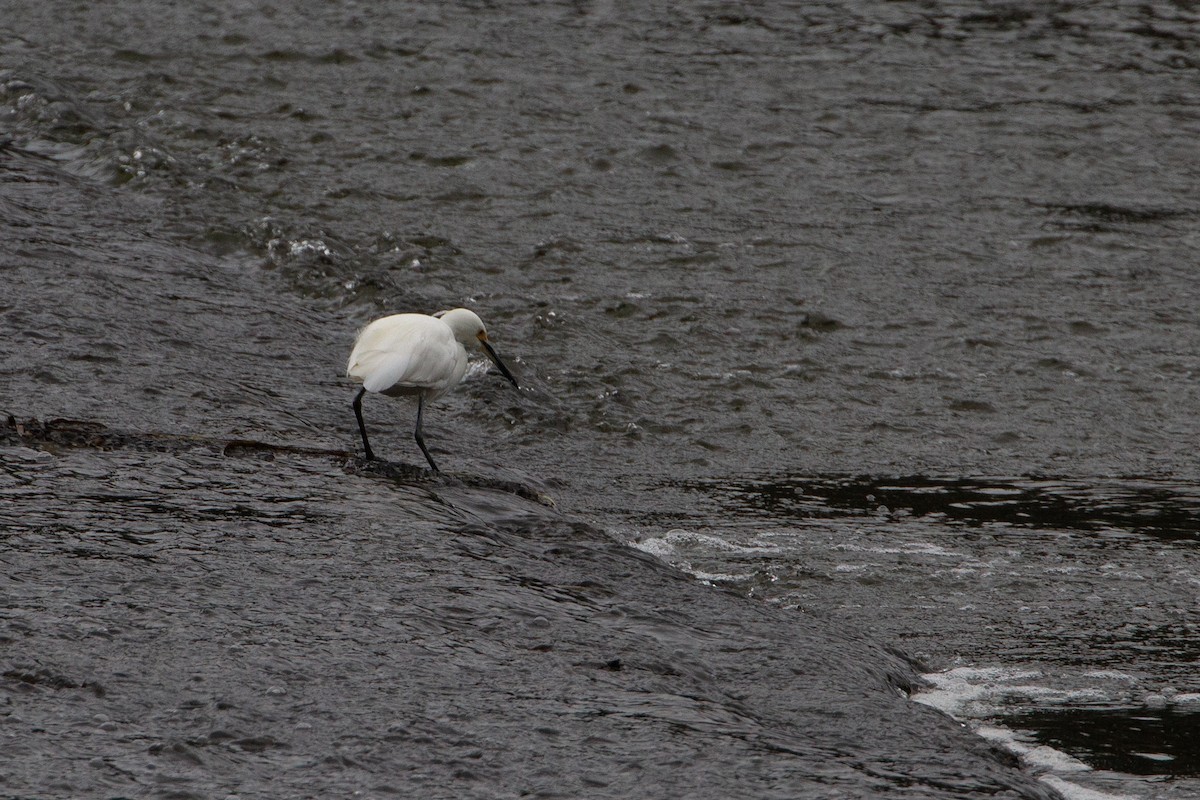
192 610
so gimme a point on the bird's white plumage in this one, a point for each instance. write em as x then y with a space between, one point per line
407 354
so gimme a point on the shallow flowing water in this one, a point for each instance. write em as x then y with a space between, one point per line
884 314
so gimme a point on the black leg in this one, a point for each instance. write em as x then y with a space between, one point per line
417 433
357 405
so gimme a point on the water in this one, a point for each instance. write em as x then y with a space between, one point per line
882 314
1056 608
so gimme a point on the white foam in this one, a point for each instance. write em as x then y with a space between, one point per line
477 368
672 541
976 693
973 691
659 548
980 692
1039 756
719 577
1073 791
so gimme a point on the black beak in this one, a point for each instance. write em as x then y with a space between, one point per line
499 364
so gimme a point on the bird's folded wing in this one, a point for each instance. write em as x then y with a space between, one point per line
420 361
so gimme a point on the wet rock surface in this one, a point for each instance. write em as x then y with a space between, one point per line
736 255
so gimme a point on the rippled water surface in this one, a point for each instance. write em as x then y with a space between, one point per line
884 314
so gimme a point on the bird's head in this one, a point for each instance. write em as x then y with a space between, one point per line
467 326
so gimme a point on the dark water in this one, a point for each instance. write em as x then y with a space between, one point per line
884 313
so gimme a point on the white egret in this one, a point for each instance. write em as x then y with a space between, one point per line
416 354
